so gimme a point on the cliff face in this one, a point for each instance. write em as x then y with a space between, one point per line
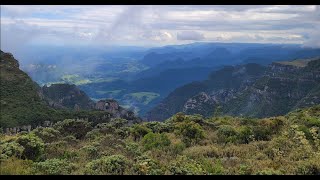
249 90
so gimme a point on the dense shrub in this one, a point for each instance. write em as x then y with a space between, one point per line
191 132
227 133
159 127
109 165
77 128
118 122
245 134
92 151
147 166
54 167
105 128
138 131
309 167
155 140
185 166
201 151
48 135
33 146
133 149
12 148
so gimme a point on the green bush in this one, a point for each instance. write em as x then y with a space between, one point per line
122 132
109 165
177 148
159 127
12 148
133 149
227 133
309 167
155 140
245 135
92 151
185 166
202 151
147 166
118 122
93 135
48 135
77 128
191 132
106 128
54 167
138 131
179 117
33 146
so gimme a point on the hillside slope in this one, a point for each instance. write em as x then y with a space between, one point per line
23 102
20 100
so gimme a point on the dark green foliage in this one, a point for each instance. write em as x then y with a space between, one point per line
109 165
155 141
227 134
190 131
33 146
138 131
118 122
146 166
69 96
47 135
12 148
77 128
20 103
159 127
54 167
185 166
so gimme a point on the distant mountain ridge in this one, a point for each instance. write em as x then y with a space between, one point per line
248 90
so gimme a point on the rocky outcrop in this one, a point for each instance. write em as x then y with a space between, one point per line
113 107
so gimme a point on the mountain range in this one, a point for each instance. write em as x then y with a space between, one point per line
247 90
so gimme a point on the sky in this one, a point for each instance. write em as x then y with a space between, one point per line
157 25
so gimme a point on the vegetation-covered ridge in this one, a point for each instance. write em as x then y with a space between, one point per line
23 102
183 144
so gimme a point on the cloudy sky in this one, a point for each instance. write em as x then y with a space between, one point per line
158 25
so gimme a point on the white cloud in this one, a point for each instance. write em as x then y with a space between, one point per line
190 35
159 24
